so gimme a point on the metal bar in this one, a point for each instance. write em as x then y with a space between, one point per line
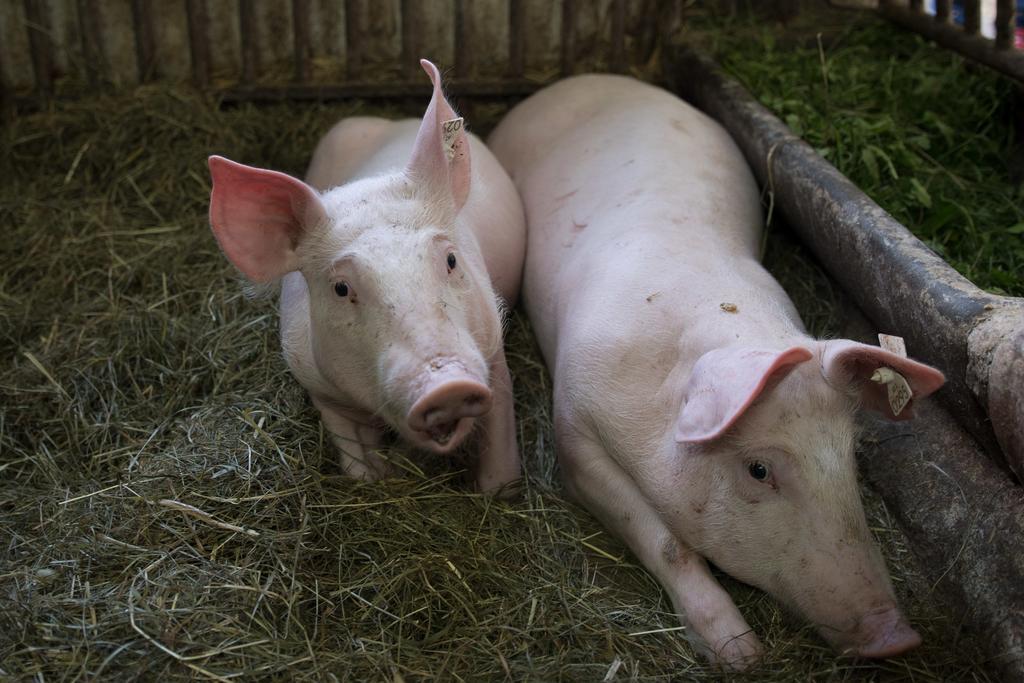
972 16
301 31
412 26
463 41
353 38
1009 62
568 37
145 44
963 519
250 41
199 41
37 26
617 60
976 338
943 11
1004 24
516 37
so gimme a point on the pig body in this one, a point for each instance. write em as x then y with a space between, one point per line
392 259
694 416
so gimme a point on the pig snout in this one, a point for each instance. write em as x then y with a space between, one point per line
443 414
884 633
881 633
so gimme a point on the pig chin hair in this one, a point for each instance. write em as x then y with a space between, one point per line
261 291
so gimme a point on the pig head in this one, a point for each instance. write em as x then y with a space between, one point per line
764 481
388 315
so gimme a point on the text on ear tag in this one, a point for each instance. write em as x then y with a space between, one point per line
893 344
896 384
449 132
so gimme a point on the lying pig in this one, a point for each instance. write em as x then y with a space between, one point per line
694 415
390 258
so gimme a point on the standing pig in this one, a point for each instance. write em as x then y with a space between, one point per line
390 258
694 415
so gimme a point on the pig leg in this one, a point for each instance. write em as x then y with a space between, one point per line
715 626
499 464
355 440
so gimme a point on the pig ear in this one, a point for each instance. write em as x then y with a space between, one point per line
849 363
259 216
440 157
725 382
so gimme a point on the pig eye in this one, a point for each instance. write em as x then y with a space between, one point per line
341 289
451 261
758 470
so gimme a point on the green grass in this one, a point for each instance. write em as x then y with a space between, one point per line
928 135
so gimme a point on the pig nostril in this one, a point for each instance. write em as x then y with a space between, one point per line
430 415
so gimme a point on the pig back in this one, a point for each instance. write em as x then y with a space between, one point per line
360 147
629 192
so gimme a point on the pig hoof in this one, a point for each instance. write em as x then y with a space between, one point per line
740 653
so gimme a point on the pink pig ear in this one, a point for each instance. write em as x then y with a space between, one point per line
442 167
259 216
851 363
725 382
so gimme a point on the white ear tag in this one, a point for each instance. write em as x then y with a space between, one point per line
450 131
896 384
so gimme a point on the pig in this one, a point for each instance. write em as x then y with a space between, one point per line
392 257
693 414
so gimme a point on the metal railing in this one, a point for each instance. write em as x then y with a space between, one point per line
968 40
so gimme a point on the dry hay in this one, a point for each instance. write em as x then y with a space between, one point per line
170 508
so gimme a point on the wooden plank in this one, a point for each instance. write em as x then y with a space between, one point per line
249 30
145 42
617 59
568 37
972 16
91 34
354 20
7 107
380 91
37 26
199 41
464 52
943 11
412 26
516 37
301 32
1004 24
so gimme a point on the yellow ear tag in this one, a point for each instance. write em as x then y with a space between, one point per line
896 384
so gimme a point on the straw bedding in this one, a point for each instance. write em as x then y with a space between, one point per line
171 509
